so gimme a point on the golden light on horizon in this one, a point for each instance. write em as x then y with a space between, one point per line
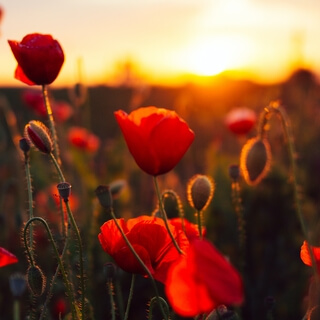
213 55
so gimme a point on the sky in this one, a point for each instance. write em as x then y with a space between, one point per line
168 41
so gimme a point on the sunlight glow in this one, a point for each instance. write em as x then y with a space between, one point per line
212 55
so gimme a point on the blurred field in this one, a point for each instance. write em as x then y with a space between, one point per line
273 266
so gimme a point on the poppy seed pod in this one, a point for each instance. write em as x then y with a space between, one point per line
255 160
200 191
39 136
36 280
64 189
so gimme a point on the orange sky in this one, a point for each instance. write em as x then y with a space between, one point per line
168 39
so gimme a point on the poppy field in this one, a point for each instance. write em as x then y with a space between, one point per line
164 203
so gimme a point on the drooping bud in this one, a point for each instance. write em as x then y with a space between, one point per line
200 191
172 204
255 160
104 196
64 189
39 136
36 280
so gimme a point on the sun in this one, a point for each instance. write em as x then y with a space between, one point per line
213 55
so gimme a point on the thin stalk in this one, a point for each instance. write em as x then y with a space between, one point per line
64 251
139 260
60 263
164 215
130 297
51 123
16 309
76 229
275 107
160 302
56 164
30 198
113 311
199 222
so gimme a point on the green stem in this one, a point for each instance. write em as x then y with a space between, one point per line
164 215
76 229
277 109
30 198
113 309
236 201
56 164
16 309
199 221
139 260
60 263
51 123
130 297
161 302
53 281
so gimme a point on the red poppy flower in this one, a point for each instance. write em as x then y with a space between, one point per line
240 120
81 138
191 230
39 57
6 257
305 255
150 239
157 138
201 280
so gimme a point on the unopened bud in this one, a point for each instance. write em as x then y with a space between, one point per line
255 160
36 280
24 145
172 204
64 189
234 172
200 191
39 136
104 196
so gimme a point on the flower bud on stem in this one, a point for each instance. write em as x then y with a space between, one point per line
164 215
275 108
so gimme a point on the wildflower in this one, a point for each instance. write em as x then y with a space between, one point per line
83 139
39 57
39 136
149 238
255 160
201 280
7 257
240 121
157 138
18 284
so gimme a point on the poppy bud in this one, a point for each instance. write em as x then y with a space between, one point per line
109 270
39 136
36 280
104 196
200 191
234 172
64 189
172 204
24 145
255 160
